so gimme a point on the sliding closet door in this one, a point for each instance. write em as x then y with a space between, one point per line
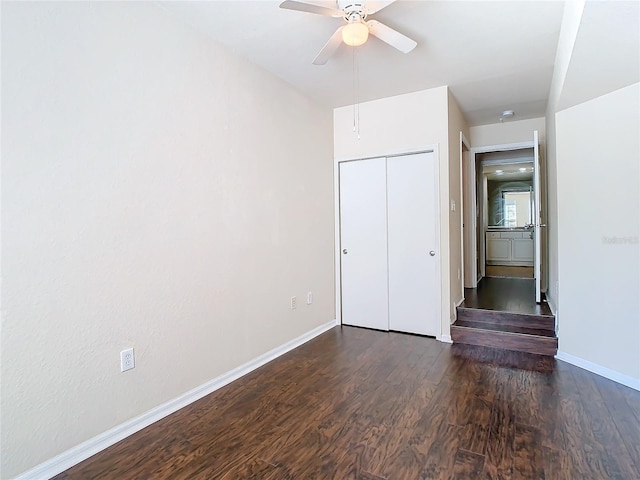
363 243
414 286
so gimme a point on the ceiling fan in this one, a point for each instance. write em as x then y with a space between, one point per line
357 29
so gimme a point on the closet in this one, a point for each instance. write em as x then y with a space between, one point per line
389 263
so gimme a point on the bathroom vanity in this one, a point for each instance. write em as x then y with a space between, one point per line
509 246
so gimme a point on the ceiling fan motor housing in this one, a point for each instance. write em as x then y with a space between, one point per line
353 11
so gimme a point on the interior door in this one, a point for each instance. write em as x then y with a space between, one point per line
412 199
537 209
363 243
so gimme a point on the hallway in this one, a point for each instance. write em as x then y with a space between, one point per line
514 295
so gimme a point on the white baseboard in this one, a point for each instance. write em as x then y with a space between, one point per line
77 454
445 338
600 370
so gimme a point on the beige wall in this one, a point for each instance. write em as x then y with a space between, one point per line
514 131
158 193
404 123
457 124
598 151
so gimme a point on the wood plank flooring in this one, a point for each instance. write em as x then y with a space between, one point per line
367 405
515 295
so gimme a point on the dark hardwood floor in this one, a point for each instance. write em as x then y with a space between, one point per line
516 295
361 404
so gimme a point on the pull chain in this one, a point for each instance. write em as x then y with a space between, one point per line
356 98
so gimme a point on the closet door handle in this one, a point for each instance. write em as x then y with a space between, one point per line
432 253
344 250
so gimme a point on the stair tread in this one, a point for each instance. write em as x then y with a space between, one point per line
503 328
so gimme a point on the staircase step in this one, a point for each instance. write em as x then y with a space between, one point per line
507 337
527 320
494 327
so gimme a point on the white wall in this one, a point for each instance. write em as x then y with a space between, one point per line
158 193
566 42
596 74
404 123
598 171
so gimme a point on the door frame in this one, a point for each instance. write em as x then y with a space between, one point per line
337 241
471 241
465 146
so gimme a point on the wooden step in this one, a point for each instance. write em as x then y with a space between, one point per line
540 341
495 317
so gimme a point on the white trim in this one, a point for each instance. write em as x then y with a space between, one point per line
438 191
77 454
536 218
600 370
337 261
444 339
503 147
472 244
463 144
472 159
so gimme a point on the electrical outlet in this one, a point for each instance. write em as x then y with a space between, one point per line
127 360
293 302
309 298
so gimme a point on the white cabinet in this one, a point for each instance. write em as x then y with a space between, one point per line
522 250
498 249
509 248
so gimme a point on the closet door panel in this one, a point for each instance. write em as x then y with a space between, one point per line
363 243
411 221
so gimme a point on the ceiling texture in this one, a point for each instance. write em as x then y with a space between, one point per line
493 55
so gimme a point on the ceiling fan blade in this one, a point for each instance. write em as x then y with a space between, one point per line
329 48
391 36
310 8
373 6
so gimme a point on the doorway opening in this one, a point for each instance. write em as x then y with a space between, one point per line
503 303
505 182
502 214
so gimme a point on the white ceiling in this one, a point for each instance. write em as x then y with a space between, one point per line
493 55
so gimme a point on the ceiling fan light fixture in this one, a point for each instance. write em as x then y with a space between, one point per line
355 34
